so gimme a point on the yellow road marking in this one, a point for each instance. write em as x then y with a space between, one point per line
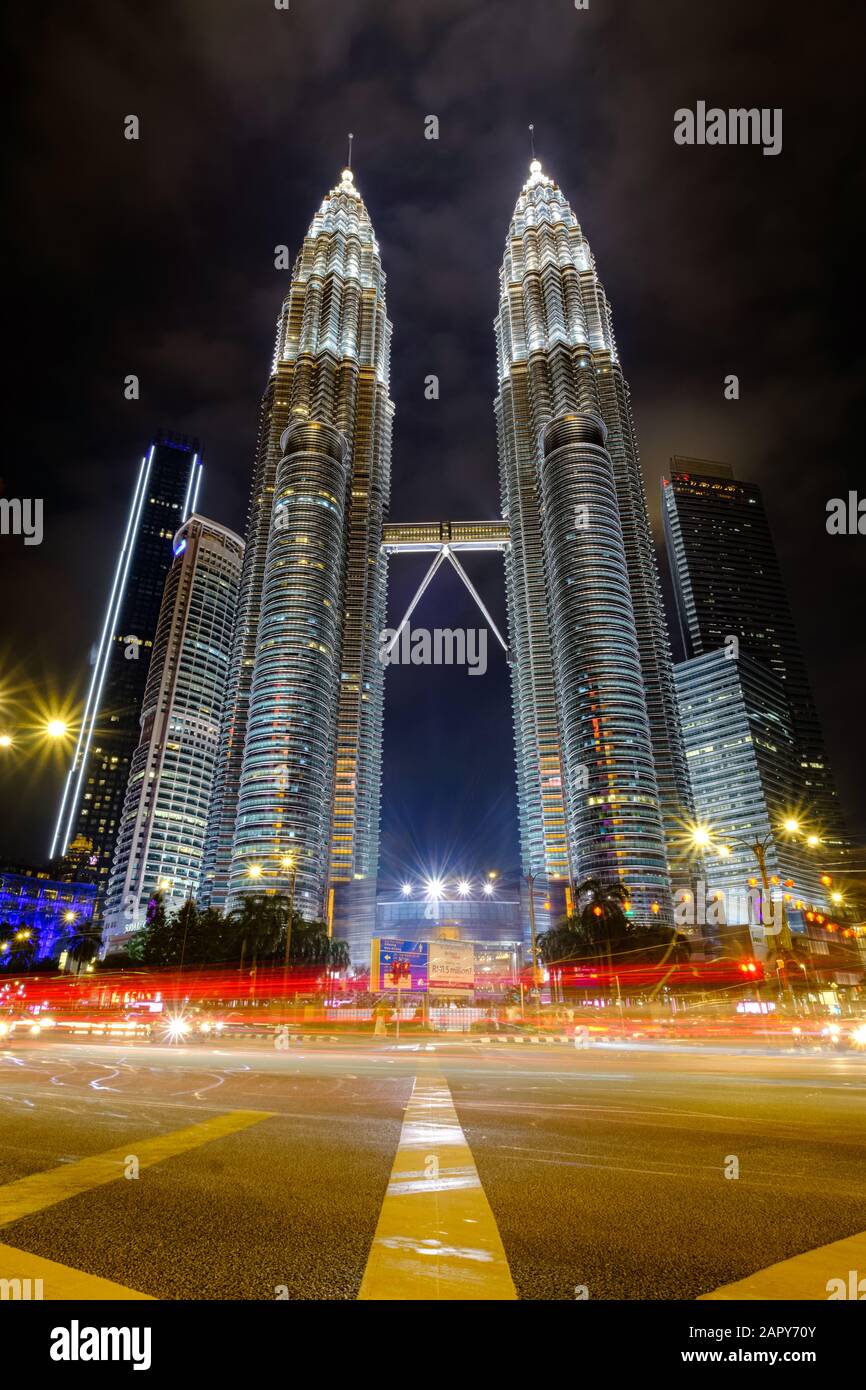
45 1279
437 1237
40 1190
804 1276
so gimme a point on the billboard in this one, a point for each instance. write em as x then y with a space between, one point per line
451 967
385 950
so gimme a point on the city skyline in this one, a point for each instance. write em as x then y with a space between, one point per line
481 178
287 796
474 909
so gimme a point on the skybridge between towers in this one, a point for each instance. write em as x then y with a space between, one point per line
444 539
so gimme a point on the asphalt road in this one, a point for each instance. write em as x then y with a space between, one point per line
599 1173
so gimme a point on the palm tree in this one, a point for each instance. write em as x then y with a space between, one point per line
601 908
259 924
339 958
565 942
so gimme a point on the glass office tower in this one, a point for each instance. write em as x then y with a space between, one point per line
300 775
728 584
557 357
165 492
161 838
741 752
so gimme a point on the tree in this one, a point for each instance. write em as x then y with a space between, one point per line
81 942
157 942
23 944
566 942
339 955
601 909
258 926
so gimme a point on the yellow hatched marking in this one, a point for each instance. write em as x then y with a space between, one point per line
41 1190
32 1277
806 1276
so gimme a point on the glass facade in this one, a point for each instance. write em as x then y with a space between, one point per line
740 747
556 356
493 921
331 372
287 780
728 584
160 843
612 814
166 491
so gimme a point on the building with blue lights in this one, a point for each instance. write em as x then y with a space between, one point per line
165 493
56 912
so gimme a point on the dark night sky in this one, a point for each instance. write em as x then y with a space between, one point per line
156 258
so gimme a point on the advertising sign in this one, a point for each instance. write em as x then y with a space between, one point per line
451 967
385 950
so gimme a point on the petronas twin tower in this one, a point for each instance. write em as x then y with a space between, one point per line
601 772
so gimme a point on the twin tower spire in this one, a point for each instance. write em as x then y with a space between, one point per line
600 770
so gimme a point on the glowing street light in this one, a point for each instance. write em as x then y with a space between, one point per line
407 890
435 888
5 740
464 888
69 916
488 887
254 871
56 728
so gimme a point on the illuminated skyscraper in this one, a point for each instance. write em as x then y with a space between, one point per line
600 762
166 491
160 841
728 585
300 778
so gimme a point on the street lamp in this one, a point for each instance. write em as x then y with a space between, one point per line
56 728
702 838
254 871
407 890
289 863
464 888
530 882
5 740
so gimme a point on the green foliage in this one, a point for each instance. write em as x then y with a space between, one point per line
255 931
600 932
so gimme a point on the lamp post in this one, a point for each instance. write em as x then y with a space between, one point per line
530 879
702 837
289 862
